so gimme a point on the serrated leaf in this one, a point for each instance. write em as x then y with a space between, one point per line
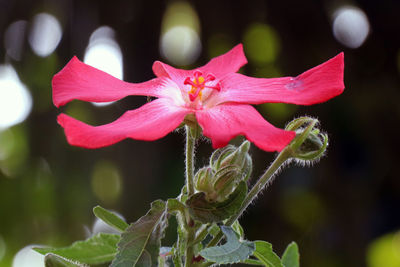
53 260
233 251
202 210
266 255
291 256
98 249
110 218
140 243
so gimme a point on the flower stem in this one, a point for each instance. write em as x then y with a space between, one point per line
285 154
189 161
189 151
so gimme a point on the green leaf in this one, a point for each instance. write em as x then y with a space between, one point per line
206 212
233 251
291 256
253 262
110 218
98 249
265 254
140 243
53 260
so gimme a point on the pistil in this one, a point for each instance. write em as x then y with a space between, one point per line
199 83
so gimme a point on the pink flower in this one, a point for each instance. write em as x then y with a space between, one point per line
219 98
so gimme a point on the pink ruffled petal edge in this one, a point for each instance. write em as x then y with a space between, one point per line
229 62
80 81
219 66
149 122
162 70
316 85
224 122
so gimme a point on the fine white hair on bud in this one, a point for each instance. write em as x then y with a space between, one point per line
310 144
228 166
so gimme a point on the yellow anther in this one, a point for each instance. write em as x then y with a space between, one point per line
201 79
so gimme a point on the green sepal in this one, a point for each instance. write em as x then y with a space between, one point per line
219 155
98 249
140 243
213 229
174 205
291 256
233 251
238 228
53 260
110 218
207 212
266 255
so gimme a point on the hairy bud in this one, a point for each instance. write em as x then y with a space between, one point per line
309 144
228 166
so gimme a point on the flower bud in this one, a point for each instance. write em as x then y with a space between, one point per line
226 179
219 155
309 143
230 155
228 166
203 180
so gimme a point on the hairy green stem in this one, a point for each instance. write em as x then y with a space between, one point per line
200 234
189 247
285 154
189 151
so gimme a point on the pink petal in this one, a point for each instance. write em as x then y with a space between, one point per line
78 80
163 70
313 86
149 122
224 122
219 66
229 62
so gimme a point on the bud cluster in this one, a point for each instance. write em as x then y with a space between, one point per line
228 166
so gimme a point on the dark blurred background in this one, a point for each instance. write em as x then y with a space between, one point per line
343 211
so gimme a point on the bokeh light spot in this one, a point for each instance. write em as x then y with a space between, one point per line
14 151
15 99
261 43
106 182
45 34
180 13
350 26
384 251
180 42
180 45
27 257
14 38
104 53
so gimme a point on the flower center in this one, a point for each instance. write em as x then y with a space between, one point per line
198 83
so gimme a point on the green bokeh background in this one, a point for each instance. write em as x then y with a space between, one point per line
335 210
